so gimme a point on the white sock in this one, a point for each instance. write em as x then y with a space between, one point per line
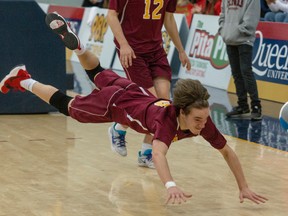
145 146
81 50
28 84
120 127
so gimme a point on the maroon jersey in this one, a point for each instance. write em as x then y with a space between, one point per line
142 21
120 100
162 122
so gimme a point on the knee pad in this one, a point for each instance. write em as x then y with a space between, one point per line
92 73
60 101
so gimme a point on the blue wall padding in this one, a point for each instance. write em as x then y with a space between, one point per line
25 39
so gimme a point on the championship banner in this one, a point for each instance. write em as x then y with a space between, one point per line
73 15
207 53
167 43
96 35
270 61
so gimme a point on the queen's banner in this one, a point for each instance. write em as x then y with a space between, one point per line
270 61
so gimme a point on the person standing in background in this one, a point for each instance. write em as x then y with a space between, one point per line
138 38
238 22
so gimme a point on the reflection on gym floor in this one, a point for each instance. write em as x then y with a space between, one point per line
266 131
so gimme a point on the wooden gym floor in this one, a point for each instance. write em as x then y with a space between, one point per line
52 165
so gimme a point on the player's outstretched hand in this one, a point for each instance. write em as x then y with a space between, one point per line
176 196
246 193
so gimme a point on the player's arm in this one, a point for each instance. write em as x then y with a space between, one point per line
113 22
171 28
235 166
175 194
126 52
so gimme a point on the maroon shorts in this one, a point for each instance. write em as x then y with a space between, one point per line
146 67
96 107
116 99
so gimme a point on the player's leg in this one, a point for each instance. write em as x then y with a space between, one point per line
19 79
87 59
59 26
161 89
160 73
91 64
117 132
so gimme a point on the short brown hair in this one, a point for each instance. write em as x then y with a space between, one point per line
189 94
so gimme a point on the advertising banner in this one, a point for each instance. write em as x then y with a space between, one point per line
207 53
270 61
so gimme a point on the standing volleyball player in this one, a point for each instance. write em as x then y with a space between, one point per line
137 27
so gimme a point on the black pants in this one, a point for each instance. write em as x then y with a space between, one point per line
240 58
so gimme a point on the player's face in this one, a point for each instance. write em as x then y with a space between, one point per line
196 119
